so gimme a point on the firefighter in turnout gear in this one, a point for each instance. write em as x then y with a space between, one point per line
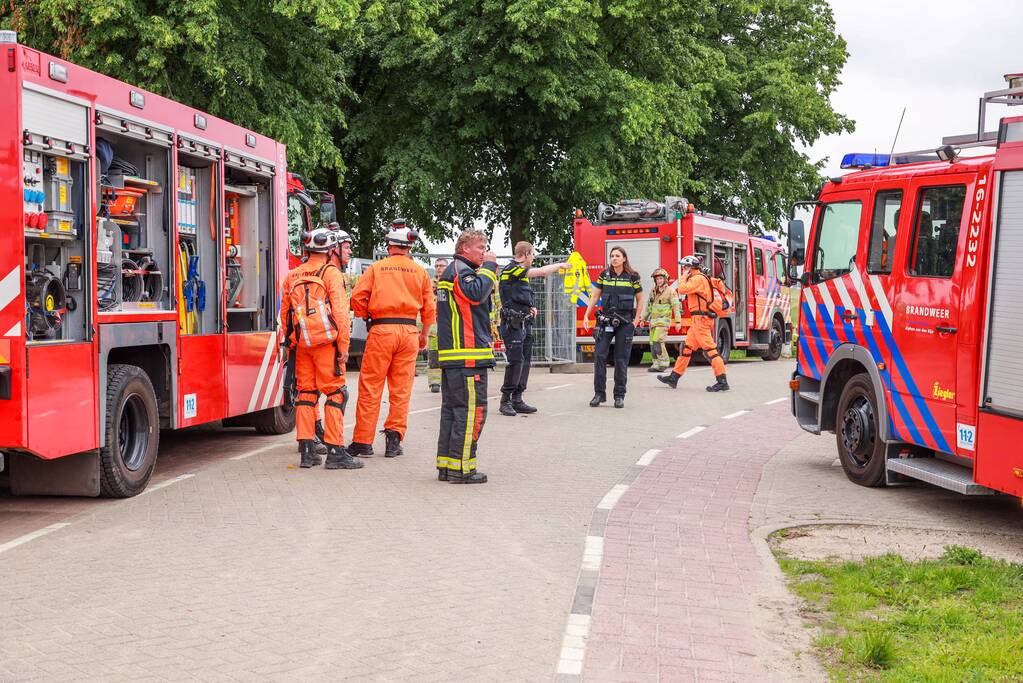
465 355
432 366
516 330
699 293
314 307
391 295
662 312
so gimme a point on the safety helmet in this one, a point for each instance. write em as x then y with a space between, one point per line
662 272
319 239
401 236
342 236
691 261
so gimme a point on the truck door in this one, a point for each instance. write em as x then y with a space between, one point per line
923 341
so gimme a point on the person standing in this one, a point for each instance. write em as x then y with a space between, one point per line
314 307
465 355
390 295
516 329
697 288
432 366
621 296
662 311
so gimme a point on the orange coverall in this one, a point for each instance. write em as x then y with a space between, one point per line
315 367
392 293
698 292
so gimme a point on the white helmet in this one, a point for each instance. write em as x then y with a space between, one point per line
320 239
401 236
342 236
691 261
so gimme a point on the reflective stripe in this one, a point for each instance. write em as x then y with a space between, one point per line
444 284
305 331
470 421
445 463
486 273
326 322
465 354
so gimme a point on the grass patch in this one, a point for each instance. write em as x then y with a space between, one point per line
957 618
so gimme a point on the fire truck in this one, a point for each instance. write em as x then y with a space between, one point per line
142 248
910 314
657 235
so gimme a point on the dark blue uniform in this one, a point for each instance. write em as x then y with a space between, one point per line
516 328
614 324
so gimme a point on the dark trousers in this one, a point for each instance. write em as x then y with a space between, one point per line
622 338
463 411
518 346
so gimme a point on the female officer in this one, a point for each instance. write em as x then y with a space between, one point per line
621 297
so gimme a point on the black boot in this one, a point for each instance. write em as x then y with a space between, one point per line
339 459
393 440
362 450
720 385
442 475
435 388
307 447
471 478
597 400
671 380
521 406
620 402
506 406
319 447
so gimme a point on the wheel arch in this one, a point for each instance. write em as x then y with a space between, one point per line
849 360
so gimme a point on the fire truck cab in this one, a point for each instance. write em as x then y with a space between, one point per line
910 317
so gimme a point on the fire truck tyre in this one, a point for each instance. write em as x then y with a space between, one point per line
279 420
128 454
860 448
724 342
777 339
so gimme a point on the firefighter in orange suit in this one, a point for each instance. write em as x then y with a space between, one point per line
696 287
390 295
314 310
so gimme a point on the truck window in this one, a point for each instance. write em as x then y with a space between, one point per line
779 266
298 222
758 261
883 226
938 214
837 238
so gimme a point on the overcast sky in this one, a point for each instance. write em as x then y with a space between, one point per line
933 57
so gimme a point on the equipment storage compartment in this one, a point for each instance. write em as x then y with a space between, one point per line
248 234
199 245
133 223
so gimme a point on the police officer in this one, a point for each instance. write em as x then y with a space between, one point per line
621 296
465 355
433 376
516 329
662 311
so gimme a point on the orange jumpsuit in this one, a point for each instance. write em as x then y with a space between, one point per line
392 293
698 292
317 369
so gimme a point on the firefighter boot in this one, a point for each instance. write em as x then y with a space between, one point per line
521 406
435 388
506 406
720 385
339 459
671 380
362 450
307 447
471 478
393 440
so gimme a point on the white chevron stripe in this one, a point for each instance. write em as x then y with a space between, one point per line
14 331
829 304
271 385
271 340
882 299
843 293
810 301
10 286
868 308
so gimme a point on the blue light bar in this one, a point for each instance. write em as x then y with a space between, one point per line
865 159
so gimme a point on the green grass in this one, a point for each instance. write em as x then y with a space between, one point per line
958 618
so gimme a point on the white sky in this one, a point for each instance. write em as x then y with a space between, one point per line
933 57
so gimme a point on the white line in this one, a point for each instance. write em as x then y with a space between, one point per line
777 400
14 331
573 646
732 416
611 497
271 340
559 386
164 484
692 432
270 390
424 410
843 293
593 553
32 536
868 308
882 299
648 457
10 286
257 451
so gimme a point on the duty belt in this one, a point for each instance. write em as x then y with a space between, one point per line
708 314
370 322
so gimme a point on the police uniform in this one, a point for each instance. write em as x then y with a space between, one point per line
516 329
659 312
614 324
465 356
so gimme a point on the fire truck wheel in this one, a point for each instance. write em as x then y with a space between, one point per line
860 448
279 420
776 341
132 432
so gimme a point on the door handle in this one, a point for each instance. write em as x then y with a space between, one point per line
846 315
946 330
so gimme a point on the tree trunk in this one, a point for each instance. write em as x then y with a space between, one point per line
518 184
366 239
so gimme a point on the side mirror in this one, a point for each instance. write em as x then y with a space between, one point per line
328 209
797 242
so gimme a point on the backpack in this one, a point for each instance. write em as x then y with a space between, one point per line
311 323
721 299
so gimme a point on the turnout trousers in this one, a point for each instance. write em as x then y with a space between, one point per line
700 337
389 357
658 347
463 412
314 375
622 338
518 348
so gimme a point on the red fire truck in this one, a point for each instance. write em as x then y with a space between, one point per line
910 314
658 235
142 248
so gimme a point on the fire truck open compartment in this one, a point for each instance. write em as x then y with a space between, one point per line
249 272
199 245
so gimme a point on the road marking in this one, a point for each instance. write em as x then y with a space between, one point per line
777 400
257 451
611 497
732 416
424 410
573 645
692 432
593 553
559 386
648 457
164 484
20 540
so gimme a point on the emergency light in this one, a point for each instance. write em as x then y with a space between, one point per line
865 159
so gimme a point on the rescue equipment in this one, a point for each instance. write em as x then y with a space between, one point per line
312 324
46 303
